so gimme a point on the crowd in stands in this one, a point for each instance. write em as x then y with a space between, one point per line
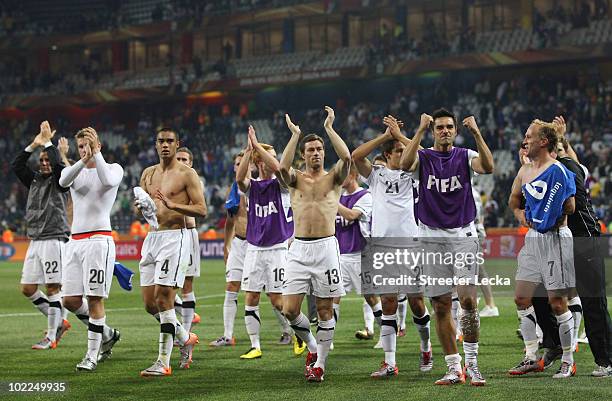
503 110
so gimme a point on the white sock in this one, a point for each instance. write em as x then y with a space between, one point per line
528 330
388 334
325 337
94 337
54 315
83 312
566 335
423 325
230 306
40 301
301 327
377 313
453 361
402 310
178 306
188 310
471 352
64 311
167 332
253 324
282 321
368 317
575 306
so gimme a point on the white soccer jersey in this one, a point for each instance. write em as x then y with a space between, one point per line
392 202
93 192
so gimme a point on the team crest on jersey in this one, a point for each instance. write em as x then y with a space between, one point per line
444 184
537 189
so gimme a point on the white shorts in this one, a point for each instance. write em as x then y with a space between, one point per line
164 258
548 259
235 260
43 262
264 270
193 268
449 255
313 267
350 265
89 266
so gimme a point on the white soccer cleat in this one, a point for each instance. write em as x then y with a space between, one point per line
565 370
452 376
602 371
45 343
106 349
472 371
222 342
86 365
488 311
186 353
157 369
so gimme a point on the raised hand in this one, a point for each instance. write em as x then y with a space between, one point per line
561 127
88 152
63 146
295 129
252 137
470 123
331 116
392 125
92 139
45 130
425 123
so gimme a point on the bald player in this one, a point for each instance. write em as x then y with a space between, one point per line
188 301
313 259
177 192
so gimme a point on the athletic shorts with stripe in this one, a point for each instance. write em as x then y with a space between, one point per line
313 267
88 267
165 258
43 262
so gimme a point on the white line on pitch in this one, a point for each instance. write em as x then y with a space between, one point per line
25 314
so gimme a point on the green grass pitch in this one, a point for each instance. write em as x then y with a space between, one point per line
219 374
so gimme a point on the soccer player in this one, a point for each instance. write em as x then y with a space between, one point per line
177 193
446 213
393 217
188 300
589 263
313 259
90 254
234 249
352 227
269 228
547 256
47 228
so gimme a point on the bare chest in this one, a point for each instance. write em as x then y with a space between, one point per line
169 183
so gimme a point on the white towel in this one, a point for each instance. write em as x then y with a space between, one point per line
147 206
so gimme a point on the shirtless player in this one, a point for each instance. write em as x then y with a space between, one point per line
313 258
177 192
